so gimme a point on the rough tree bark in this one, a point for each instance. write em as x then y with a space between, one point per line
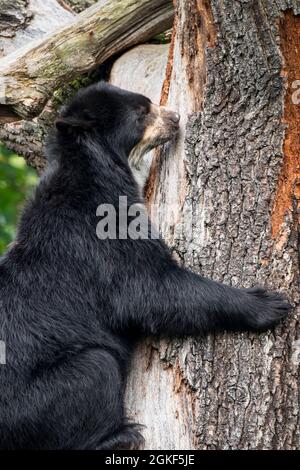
229 190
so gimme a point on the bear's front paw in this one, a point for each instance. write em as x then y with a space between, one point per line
266 309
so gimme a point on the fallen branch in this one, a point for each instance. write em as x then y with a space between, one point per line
31 74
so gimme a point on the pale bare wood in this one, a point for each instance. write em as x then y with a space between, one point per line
21 21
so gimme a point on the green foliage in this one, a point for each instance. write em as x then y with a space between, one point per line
16 182
68 90
162 38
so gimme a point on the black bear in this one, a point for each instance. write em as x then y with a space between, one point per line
73 304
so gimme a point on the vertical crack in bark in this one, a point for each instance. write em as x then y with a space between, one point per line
199 33
289 180
193 32
169 69
154 170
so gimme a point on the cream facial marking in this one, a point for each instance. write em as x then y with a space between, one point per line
161 125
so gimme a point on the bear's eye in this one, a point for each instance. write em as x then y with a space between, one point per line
142 111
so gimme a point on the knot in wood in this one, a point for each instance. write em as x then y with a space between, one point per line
238 394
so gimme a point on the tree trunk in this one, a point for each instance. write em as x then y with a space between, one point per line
229 192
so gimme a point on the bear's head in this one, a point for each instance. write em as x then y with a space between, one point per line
127 122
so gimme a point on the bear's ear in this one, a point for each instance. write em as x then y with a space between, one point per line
67 125
62 125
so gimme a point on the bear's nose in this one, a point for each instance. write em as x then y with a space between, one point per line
169 115
175 117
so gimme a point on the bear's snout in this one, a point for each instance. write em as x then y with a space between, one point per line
170 115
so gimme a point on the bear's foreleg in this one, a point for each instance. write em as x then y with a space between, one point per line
182 303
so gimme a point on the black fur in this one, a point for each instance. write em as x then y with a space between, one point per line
72 306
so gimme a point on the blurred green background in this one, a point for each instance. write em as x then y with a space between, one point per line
16 182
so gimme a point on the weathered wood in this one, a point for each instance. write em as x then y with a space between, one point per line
32 73
229 195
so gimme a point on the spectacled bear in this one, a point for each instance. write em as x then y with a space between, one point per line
72 305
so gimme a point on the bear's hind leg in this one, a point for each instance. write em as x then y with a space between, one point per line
73 405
